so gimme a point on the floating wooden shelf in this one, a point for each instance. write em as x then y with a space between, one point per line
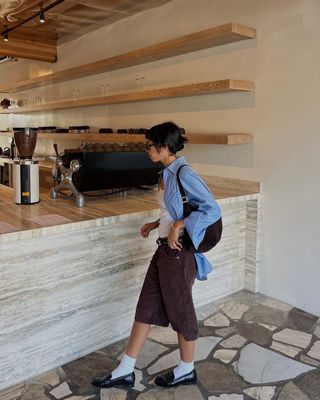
219 138
221 86
227 33
193 138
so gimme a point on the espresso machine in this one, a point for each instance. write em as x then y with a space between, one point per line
25 169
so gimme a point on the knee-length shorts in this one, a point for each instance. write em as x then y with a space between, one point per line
166 295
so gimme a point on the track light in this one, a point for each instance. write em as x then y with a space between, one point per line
42 17
40 14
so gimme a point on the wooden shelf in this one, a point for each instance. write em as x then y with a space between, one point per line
221 86
193 138
223 34
219 138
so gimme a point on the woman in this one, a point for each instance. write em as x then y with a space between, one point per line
166 295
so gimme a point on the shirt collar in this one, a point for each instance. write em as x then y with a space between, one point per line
173 167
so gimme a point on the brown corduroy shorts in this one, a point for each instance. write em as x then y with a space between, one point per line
166 295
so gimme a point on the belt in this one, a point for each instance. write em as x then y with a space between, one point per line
164 241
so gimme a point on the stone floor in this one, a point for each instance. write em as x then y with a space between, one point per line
250 347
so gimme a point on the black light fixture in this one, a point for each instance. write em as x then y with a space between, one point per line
5 36
5 33
42 17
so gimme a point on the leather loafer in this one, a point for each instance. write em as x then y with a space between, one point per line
123 382
168 379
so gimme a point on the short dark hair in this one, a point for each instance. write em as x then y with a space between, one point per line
167 134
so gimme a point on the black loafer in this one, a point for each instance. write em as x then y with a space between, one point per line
168 379
123 382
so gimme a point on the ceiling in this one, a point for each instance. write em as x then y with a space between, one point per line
66 20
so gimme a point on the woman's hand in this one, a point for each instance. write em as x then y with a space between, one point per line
173 237
147 228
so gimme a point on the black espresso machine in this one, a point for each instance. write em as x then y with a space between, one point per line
86 171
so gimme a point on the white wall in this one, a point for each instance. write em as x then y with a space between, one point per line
282 113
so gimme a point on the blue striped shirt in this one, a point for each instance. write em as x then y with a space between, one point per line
199 195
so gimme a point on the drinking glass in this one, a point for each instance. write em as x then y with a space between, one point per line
104 90
138 83
56 96
75 94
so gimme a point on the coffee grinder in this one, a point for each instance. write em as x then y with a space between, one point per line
25 169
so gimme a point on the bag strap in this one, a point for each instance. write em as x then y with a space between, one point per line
182 192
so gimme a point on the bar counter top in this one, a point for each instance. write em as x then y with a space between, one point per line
25 221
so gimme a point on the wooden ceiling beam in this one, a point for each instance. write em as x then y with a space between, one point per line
64 7
72 18
44 39
29 49
99 7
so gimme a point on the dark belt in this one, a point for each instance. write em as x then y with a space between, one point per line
164 241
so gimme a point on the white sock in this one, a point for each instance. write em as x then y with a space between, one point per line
183 368
125 367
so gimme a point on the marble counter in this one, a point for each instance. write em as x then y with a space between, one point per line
70 277
100 209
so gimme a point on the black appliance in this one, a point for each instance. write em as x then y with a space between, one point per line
110 170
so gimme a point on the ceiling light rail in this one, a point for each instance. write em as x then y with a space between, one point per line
40 14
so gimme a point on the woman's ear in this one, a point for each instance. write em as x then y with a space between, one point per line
164 149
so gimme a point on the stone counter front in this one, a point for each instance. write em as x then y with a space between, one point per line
70 289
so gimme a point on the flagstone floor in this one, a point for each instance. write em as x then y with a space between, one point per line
250 347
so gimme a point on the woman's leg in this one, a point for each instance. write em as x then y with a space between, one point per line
150 302
186 348
184 373
138 336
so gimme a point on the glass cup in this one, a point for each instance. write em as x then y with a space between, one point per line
101 90
104 90
75 94
56 96
138 83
